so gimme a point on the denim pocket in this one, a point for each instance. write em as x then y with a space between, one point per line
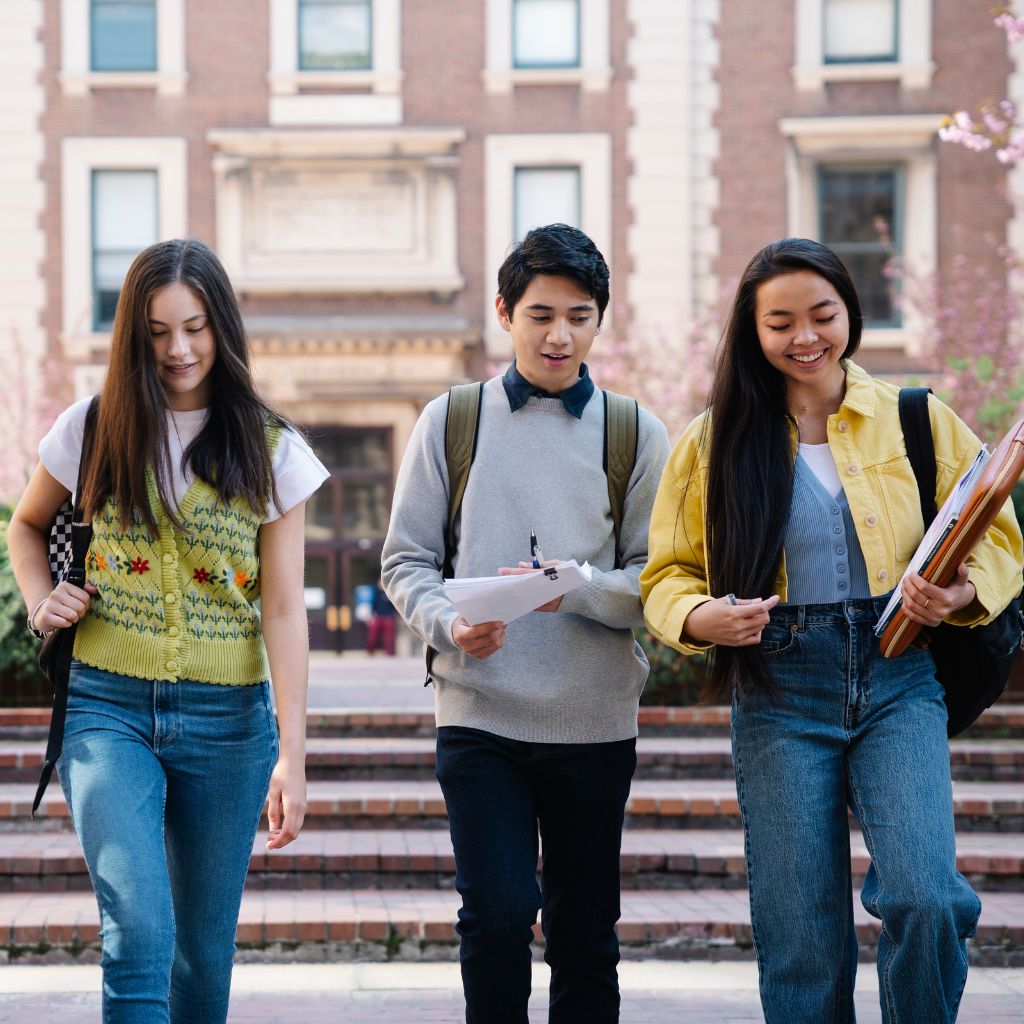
777 639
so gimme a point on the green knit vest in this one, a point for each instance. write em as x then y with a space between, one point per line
180 605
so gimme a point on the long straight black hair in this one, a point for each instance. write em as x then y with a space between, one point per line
231 452
750 474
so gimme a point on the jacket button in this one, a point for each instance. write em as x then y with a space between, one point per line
883 574
168 558
173 631
853 468
170 598
871 519
843 426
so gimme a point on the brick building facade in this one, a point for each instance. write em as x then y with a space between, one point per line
362 165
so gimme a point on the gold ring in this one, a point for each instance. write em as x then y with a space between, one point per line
927 601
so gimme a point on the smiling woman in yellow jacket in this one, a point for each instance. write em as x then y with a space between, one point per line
785 516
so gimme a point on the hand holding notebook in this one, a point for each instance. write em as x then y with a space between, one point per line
966 515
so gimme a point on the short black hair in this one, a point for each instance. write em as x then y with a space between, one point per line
555 250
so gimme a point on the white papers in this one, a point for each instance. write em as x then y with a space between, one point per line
936 534
505 598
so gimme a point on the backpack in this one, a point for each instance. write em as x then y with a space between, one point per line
462 429
972 663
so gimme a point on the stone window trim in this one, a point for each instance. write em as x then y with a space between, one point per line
905 139
76 78
591 152
384 78
80 156
913 70
594 73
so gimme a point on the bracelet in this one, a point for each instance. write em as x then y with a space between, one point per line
31 618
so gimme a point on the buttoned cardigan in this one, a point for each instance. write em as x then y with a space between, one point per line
866 441
179 605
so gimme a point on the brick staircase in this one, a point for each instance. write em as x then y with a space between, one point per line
371 875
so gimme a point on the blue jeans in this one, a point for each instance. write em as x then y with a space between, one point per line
498 793
166 782
853 730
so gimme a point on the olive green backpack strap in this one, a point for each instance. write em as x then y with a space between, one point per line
461 428
621 430
460 433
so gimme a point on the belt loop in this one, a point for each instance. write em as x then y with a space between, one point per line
800 613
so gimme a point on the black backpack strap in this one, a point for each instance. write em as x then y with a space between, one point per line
81 538
917 433
621 436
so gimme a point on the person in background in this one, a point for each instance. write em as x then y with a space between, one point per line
195 489
380 631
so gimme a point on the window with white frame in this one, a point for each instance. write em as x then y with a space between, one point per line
863 40
860 30
868 188
335 62
125 213
545 195
335 35
861 213
118 195
122 44
546 33
122 35
547 42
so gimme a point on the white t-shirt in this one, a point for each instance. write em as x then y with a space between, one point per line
823 466
297 471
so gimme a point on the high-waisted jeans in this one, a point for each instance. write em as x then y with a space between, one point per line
166 782
853 731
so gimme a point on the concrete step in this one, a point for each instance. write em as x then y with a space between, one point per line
422 858
417 924
350 758
653 803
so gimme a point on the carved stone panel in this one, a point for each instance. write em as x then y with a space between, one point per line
377 215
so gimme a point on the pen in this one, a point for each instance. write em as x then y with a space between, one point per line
535 552
731 598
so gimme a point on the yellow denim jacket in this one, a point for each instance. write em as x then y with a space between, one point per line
871 457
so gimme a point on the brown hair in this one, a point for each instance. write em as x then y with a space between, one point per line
231 452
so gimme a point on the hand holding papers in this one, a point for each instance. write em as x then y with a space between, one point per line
506 598
962 521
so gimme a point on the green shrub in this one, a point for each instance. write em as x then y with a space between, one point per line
19 649
675 679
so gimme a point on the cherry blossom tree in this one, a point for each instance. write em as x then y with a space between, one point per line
995 125
34 392
670 376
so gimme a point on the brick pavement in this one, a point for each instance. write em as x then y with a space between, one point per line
417 923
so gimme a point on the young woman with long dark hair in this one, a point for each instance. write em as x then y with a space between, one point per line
786 515
195 490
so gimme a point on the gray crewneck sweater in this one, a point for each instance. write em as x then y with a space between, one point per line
572 676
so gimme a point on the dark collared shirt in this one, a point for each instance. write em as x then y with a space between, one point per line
575 398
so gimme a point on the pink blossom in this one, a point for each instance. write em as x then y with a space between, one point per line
1013 27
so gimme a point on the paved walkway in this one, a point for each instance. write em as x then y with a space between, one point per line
356 680
653 993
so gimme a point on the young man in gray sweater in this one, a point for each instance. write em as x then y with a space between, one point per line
537 719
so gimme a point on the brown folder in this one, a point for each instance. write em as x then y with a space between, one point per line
1001 473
